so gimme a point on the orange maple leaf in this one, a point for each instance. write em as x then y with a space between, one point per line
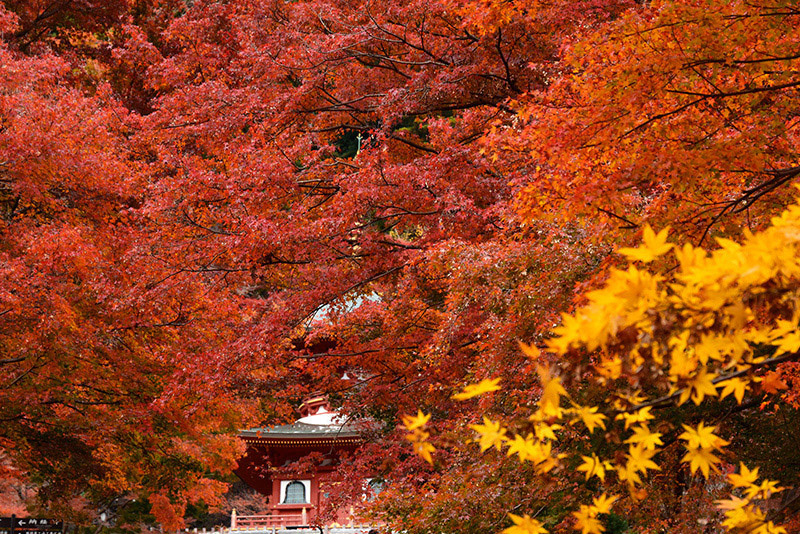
772 383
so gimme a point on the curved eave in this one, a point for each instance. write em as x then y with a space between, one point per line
297 441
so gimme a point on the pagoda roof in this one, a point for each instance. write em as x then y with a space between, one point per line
319 426
301 433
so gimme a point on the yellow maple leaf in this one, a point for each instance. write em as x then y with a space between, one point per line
531 351
529 449
769 528
683 361
744 478
701 459
417 421
492 434
627 473
642 434
609 368
699 386
764 490
524 447
741 515
587 521
790 342
737 386
424 450
594 466
700 442
689 256
702 437
602 504
552 390
639 416
590 417
545 431
473 390
653 246
639 458
732 503
524 524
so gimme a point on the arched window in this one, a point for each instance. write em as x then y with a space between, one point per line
295 493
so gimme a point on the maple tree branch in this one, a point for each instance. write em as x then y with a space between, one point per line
397 61
337 104
325 199
216 269
339 161
780 177
737 93
50 11
399 245
406 42
630 225
390 67
662 116
183 124
701 62
337 127
414 144
508 78
750 196
207 228
667 400
35 365
787 503
404 211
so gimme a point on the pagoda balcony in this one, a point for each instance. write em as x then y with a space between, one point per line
269 521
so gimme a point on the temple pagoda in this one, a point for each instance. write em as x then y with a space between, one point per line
295 498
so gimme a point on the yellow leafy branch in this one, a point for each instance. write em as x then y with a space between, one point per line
693 335
667 400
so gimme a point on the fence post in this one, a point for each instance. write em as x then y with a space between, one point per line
233 519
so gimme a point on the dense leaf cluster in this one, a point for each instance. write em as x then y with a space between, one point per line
210 209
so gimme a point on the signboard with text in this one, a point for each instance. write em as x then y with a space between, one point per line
29 525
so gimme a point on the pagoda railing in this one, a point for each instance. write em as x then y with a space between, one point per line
267 521
279 522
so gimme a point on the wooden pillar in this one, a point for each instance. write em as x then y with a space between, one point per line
233 519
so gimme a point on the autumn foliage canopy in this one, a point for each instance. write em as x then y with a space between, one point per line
563 234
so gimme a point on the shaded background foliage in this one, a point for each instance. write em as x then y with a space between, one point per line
211 209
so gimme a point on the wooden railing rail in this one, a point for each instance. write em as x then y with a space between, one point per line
249 522
256 522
